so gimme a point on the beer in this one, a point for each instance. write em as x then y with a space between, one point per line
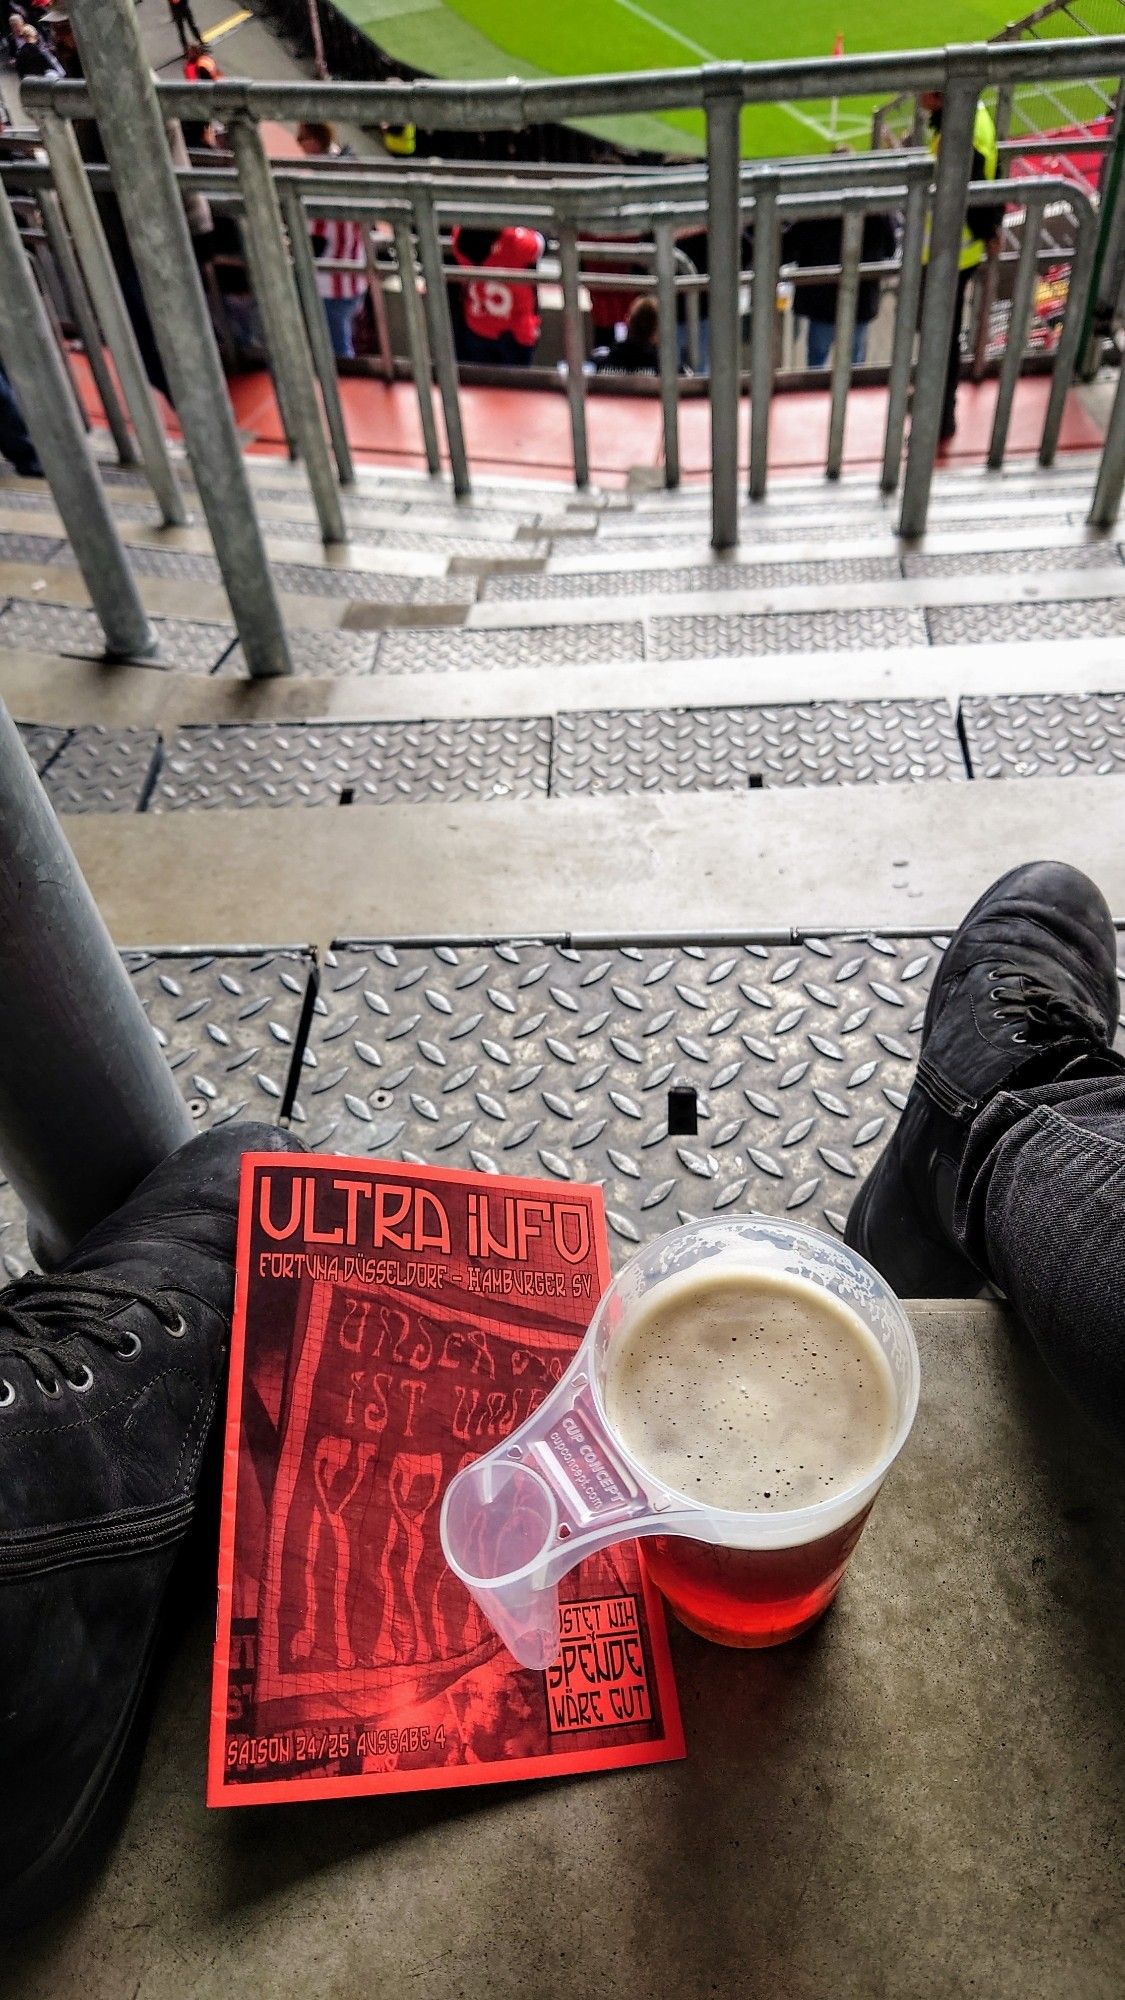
754 1393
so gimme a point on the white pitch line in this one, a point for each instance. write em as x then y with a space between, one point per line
708 55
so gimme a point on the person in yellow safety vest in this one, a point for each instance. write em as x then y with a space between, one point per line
399 140
981 227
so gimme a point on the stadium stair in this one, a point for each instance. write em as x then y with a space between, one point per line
546 711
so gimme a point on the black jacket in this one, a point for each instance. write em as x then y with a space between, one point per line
817 240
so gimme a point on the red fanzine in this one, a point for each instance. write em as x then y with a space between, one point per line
391 1324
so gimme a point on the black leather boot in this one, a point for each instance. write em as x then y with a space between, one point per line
111 1377
1026 992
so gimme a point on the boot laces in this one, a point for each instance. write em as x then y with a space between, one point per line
1043 1013
41 1312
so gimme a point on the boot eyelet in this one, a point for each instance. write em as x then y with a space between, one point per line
175 1328
1019 1037
7 1394
129 1348
80 1383
51 1389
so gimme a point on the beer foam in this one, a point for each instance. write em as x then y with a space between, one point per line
750 1391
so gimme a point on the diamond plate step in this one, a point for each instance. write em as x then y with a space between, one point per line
711 634
41 742
310 764
315 653
438 651
732 748
228 1023
698 576
982 624
29 548
541 1059
61 628
1011 562
1044 736
103 770
299 579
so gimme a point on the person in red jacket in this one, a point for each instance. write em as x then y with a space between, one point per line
499 320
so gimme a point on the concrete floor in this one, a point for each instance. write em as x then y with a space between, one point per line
919 1801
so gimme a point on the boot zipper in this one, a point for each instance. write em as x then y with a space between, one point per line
128 1534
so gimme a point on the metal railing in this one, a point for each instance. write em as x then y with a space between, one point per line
725 197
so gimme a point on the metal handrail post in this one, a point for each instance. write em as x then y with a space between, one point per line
440 327
906 326
123 94
1023 298
763 308
574 347
418 346
88 1105
43 388
955 165
847 300
669 350
80 213
722 97
85 319
1106 503
378 308
1069 349
271 276
316 326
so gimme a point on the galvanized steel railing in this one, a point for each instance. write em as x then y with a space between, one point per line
723 196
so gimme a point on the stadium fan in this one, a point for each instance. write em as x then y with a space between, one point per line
338 246
499 321
400 141
815 242
638 353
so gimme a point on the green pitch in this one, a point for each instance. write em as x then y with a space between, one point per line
500 38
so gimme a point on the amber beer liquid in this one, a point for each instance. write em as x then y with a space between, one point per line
759 1394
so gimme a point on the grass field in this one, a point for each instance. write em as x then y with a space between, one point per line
490 38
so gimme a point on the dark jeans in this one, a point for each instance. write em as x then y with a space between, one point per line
15 438
503 352
1040 1209
184 19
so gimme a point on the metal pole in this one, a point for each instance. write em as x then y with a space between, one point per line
1023 298
417 344
906 325
722 97
124 97
43 389
1110 251
85 319
575 350
441 336
1111 473
847 298
1073 328
378 308
763 310
955 163
669 350
80 212
316 326
271 276
87 1102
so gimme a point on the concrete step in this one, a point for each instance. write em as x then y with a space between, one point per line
695 865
